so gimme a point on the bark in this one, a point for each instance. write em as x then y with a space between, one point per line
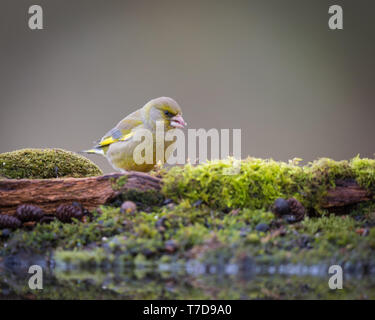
50 193
346 193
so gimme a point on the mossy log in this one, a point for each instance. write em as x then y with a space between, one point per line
94 191
90 192
346 193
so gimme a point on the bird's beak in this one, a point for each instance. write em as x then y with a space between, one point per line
178 121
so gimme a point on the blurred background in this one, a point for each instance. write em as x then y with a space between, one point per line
272 68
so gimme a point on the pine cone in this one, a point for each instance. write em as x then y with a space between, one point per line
10 222
28 212
66 213
296 209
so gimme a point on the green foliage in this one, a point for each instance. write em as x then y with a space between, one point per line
45 164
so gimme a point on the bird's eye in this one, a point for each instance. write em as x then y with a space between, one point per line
167 113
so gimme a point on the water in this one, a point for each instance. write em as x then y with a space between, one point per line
191 281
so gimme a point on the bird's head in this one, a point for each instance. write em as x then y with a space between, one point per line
166 110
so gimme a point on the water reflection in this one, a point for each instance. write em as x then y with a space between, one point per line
192 281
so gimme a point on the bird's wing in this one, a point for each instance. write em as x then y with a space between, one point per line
123 130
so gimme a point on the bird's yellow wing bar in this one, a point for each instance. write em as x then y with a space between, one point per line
116 135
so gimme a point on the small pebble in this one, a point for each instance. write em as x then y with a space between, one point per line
160 224
244 232
281 207
304 241
234 212
5 233
263 227
289 218
128 207
167 201
147 253
170 246
170 206
227 210
197 203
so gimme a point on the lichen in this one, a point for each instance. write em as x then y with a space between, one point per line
45 164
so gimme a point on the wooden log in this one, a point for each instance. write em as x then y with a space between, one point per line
94 191
345 194
50 193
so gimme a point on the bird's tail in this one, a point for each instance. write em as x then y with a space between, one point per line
94 151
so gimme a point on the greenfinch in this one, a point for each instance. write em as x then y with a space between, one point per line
119 143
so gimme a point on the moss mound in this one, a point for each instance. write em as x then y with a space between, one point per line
259 182
45 164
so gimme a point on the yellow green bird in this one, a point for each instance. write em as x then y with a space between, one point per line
119 143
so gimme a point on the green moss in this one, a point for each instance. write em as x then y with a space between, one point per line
252 238
257 185
259 182
45 164
339 230
119 183
364 170
58 235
